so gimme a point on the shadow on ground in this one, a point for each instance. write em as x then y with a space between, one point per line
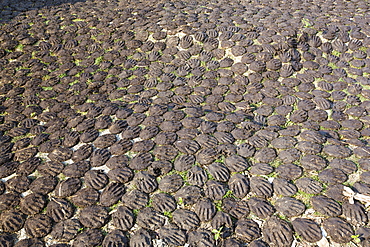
9 9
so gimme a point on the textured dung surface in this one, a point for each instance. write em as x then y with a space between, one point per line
184 123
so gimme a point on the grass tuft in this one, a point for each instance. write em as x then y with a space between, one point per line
62 75
306 23
229 193
336 53
305 198
333 66
168 214
135 211
98 60
218 205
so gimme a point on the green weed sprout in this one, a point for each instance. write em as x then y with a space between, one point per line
306 22
356 238
217 232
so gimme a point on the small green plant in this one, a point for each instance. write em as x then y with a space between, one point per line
135 211
46 77
134 68
183 174
271 175
229 193
336 53
17 138
19 47
314 176
181 201
217 233
168 214
283 217
62 75
333 66
306 22
72 83
210 177
98 60
356 238
218 205
276 163
171 172
43 211
220 159
114 207
298 237
62 176
47 88
318 214
239 142
363 48
305 198
20 68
